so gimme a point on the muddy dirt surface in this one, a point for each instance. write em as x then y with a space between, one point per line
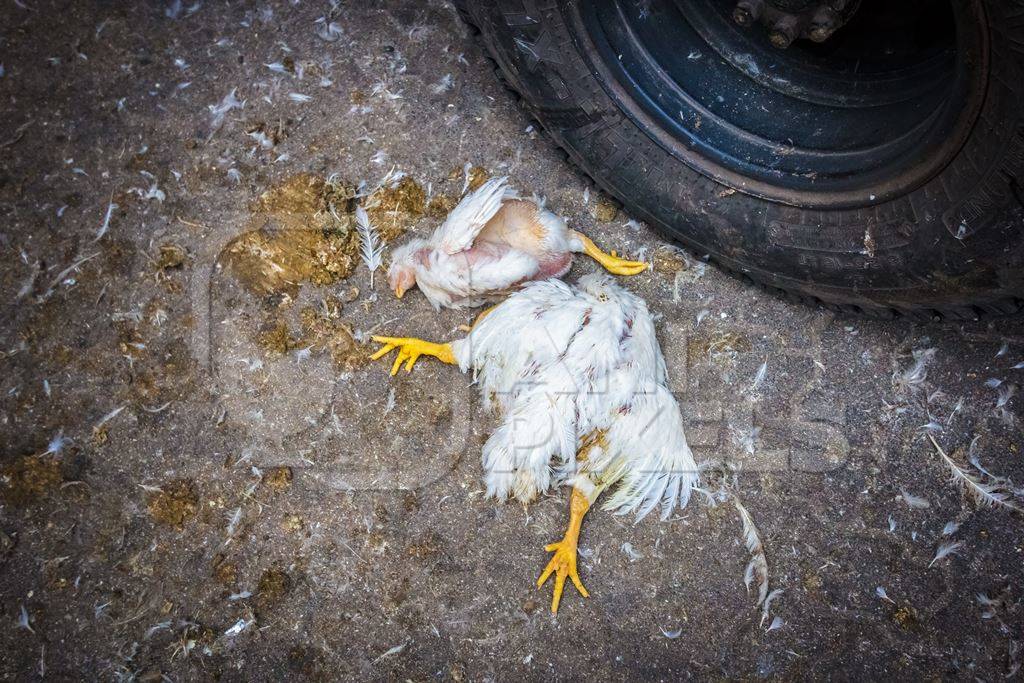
204 477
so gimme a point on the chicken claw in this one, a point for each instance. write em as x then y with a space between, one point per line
610 262
563 565
618 266
409 351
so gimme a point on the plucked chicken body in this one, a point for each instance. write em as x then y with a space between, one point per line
579 384
492 242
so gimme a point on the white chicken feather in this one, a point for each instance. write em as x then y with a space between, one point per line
492 242
560 363
579 383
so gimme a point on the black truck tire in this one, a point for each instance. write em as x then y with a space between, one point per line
951 246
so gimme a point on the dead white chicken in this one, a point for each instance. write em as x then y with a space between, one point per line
492 242
577 377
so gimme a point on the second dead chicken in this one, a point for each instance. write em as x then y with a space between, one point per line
580 384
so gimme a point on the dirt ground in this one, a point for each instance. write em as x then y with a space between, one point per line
204 477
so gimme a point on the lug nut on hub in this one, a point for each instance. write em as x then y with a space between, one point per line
784 32
747 12
823 24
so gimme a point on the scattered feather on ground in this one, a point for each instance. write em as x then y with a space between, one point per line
762 372
111 207
915 502
945 550
991 493
239 626
912 377
757 568
630 552
371 246
397 649
220 110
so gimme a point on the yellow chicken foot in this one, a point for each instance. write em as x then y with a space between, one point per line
563 564
610 262
483 314
410 349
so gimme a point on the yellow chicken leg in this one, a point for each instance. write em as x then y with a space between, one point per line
410 349
563 564
610 262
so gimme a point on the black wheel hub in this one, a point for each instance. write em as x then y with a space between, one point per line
868 115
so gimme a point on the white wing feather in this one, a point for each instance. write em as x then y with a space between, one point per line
514 352
451 280
470 216
648 454
518 456
562 362
524 336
